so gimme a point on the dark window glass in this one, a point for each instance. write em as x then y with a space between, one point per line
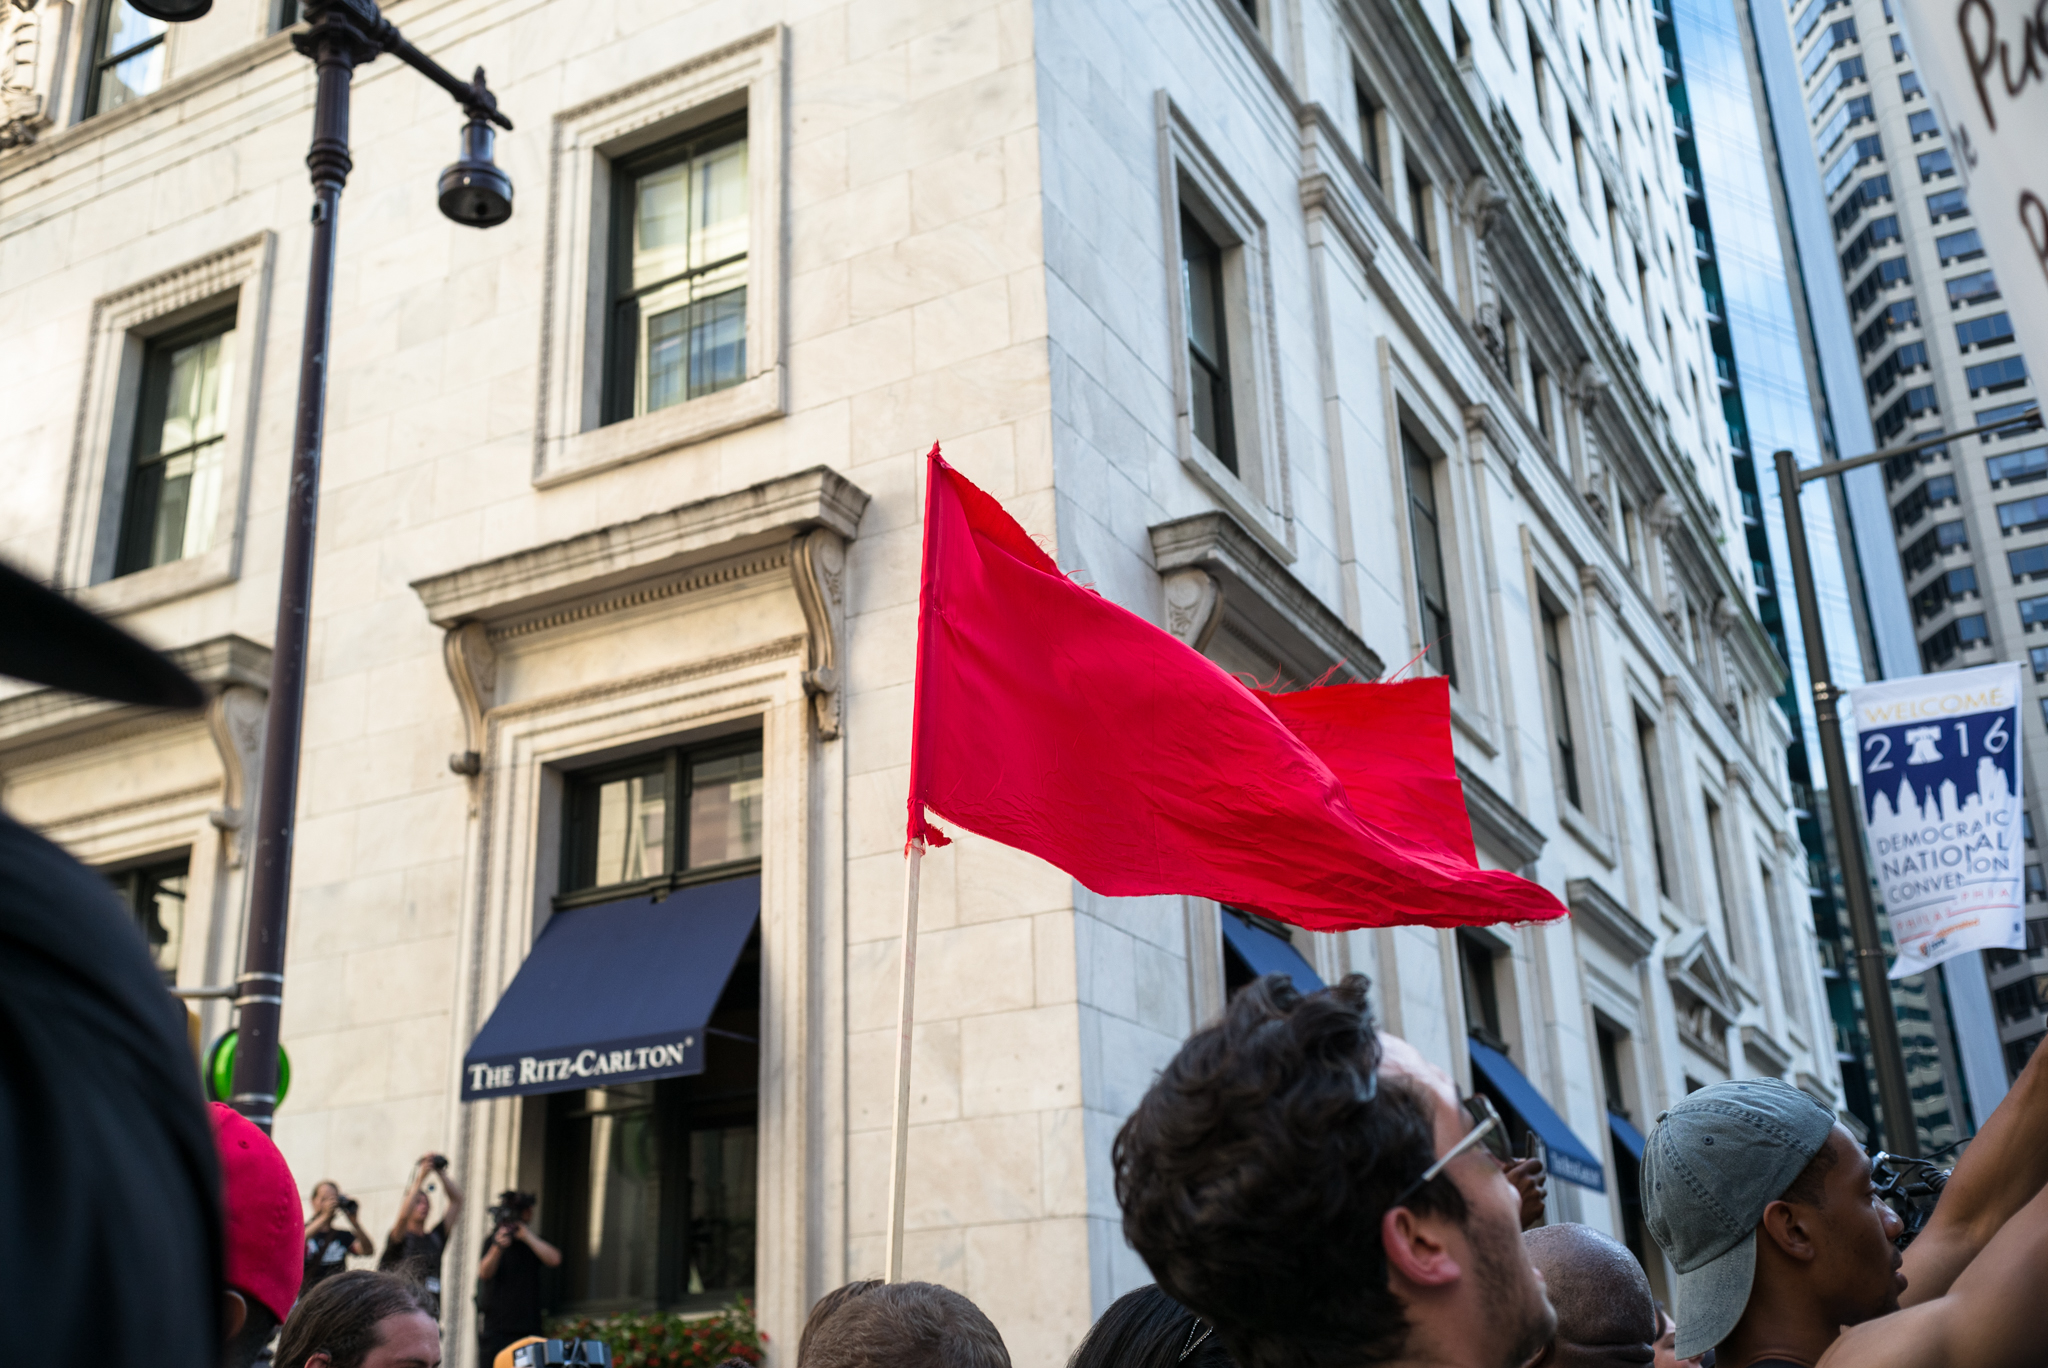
128 56
1432 589
1646 757
1921 124
2019 467
155 895
2030 564
1476 964
663 819
679 272
1994 376
1421 220
285 13
1947 205
1369 132
1963 246
2024 515
650 1187
1978 287
174 482
2025 412
1936 164
1989 331
1560 706
1202 301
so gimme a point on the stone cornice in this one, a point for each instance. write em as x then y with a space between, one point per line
1256 585
610 559
1498 821
41 716
1602 916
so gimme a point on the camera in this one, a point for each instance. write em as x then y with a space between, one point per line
440 1163
348 1205
511 1208
1910 1187
561 1353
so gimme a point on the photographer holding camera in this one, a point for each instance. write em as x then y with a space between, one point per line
327 1249
411 1248
508 1279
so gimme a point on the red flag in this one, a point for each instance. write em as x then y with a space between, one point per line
1050 719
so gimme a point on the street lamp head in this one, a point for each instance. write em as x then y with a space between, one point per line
170 11
474 191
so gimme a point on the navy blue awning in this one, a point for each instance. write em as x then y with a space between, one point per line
1626 1135
617 993
1267 953
1569 1159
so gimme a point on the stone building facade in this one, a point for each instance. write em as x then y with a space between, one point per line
1327 335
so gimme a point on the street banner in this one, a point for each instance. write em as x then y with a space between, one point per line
1941 810
1982 63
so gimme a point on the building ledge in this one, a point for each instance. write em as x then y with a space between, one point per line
1497 823
1603 916
42 716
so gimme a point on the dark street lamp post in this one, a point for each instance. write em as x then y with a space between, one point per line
1895 1103
340 36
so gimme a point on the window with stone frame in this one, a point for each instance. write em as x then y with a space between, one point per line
649 1189
171 498
1426 535
1206 314
678 267
1558 702
154 892
1653 804
128 56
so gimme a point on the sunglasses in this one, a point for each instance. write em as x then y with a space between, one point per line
1487 1129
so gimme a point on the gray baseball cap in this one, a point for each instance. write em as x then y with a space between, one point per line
1713 1162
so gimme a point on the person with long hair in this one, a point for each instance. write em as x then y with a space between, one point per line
1148 1329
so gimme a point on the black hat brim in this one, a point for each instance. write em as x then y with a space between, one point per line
47 639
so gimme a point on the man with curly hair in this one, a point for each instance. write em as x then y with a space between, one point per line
1325 1204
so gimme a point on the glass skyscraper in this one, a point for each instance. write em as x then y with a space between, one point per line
1774 389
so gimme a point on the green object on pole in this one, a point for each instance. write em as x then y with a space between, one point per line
220 1069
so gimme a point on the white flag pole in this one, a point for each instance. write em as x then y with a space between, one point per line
899 1138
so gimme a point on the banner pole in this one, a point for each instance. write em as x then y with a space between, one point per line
899 1137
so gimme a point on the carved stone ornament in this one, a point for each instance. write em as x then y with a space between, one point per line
21 104
1192 600
817 563
1483 209
473 670
235 718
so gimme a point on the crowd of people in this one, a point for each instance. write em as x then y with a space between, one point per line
1307 1191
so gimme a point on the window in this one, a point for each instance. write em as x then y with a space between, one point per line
1915 403
172 503
1907 359
1947 205
1579 164
1461 41
679 272
1421 213
1432 590
1989 331
1717 888
1893 318
1539 394
1963 246
2019 467
1477 965
1370 114
1899 49
1877 233
2030 564
1979 287
1936 164
128 57
2038 658
1202 304
1933 544
1847 71
1880 278
1874 190
1922 124
2023 515
1646 758
1560 705
1934 492
155 896
2033 612
1864 149
1539 78
1909 86
1986 417
1993 376
1840 32
664 820
285 13
1856 111
1953 587
1960 635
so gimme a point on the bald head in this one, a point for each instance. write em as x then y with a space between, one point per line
1606 1317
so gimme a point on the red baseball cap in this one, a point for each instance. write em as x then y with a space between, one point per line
261 1204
